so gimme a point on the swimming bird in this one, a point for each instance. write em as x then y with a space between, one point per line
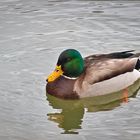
76 77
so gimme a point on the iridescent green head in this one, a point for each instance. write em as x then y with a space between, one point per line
70 63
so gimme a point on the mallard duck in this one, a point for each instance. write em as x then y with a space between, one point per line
100 74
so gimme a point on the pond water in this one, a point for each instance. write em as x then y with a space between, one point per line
32 35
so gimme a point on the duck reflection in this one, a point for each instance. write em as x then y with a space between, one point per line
70 116
71 112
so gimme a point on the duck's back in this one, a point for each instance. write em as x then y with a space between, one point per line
107 73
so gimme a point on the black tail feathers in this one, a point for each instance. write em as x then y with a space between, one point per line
138 65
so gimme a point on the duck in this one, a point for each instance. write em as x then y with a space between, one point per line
75 77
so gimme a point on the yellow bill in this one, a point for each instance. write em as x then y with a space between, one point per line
55 74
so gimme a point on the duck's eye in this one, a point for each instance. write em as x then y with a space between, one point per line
68 59
56 70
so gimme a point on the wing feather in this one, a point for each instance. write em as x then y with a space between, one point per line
108 68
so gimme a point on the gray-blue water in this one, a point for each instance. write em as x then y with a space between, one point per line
32 35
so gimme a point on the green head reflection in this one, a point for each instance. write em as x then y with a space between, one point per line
70 116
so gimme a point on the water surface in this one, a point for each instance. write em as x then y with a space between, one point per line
33 33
